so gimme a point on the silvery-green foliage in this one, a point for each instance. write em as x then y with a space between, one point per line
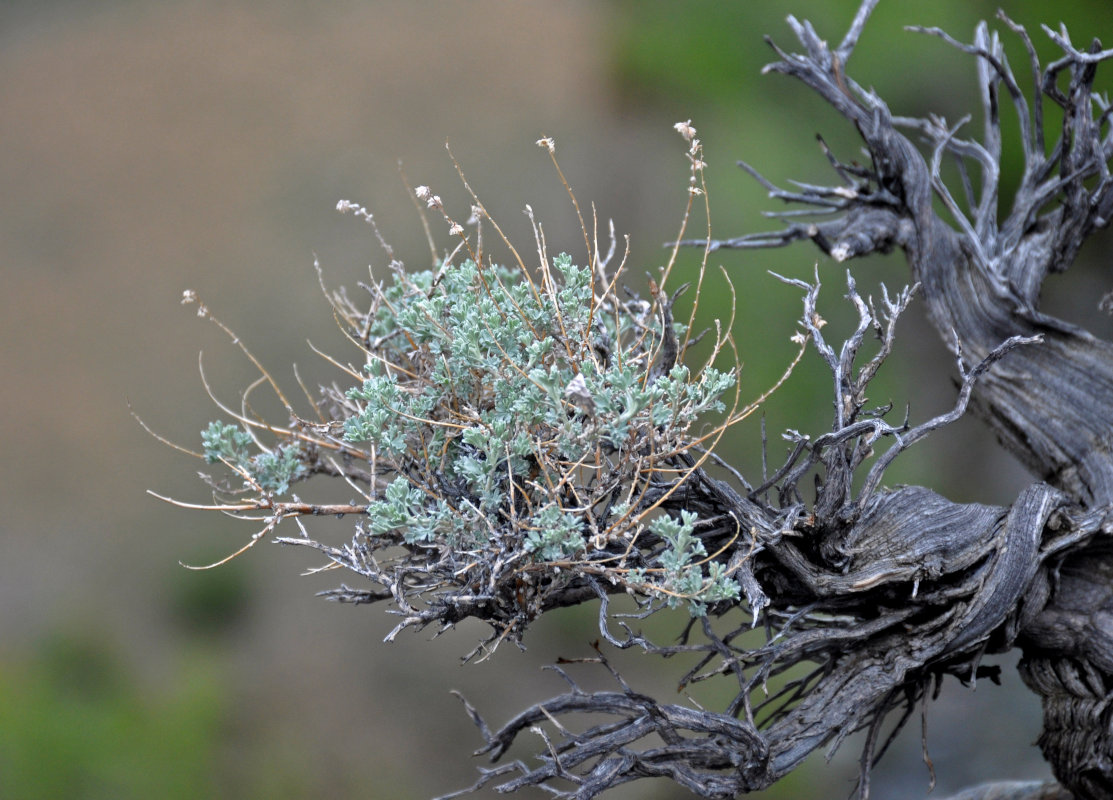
517 410
681 563
270 470
516 438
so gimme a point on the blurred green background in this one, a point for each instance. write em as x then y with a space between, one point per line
150 147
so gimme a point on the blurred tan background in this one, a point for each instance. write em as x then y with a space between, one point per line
151 147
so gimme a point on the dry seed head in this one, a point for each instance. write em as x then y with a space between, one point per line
686 130
576 392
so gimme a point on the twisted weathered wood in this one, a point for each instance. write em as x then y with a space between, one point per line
1050 403
886 591
867 596
1014 790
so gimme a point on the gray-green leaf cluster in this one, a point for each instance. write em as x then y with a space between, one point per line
272 470
516 410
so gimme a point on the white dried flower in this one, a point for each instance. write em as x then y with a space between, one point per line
434 201
422 192
190 296
456 229
686 130
547 142
576 392
344 206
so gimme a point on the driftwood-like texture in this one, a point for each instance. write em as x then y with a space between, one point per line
1050 402
822 598
881 593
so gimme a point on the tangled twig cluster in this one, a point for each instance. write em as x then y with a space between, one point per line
531 436
520 437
